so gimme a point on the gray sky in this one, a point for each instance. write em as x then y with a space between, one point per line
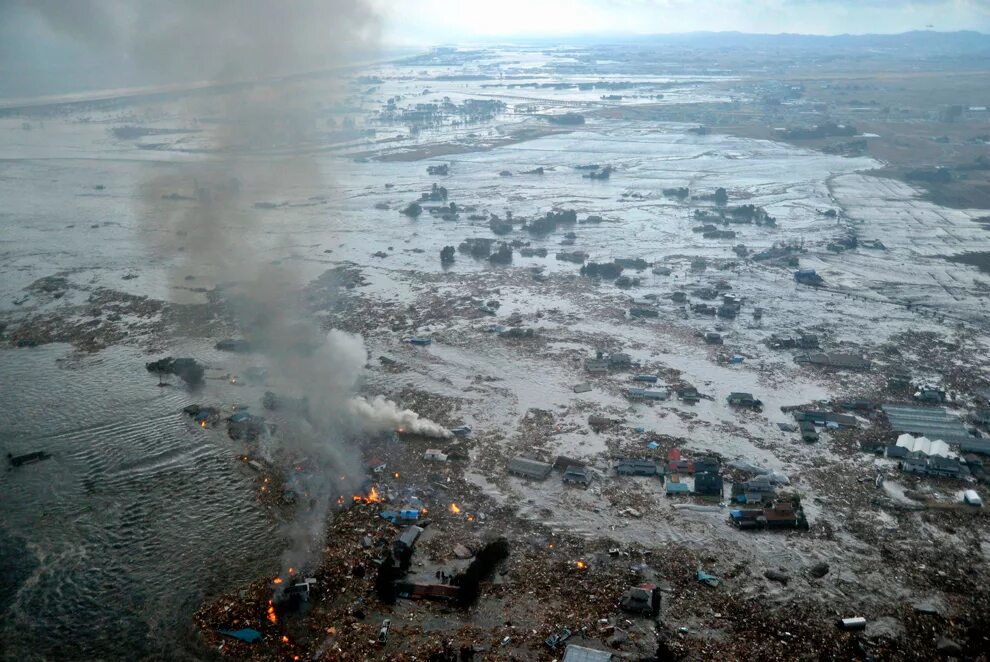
426 21
56 46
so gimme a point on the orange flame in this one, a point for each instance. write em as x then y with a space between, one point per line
373 497
277 580
285 639
401 430
272 618
581 565
202 424
454 508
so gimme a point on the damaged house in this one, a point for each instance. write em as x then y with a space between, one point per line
647 393
577 475
826 419
636 467
837 361
926 457
737 399
526 468
782 515
643 599
708 483
755 490
245 426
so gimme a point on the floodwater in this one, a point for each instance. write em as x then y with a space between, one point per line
109 547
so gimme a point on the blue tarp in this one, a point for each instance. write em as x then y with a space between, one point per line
248 635
401 516
240 417
653 445
705 578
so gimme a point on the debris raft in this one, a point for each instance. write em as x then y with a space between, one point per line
188 370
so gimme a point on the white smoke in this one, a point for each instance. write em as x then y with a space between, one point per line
380 415
266 129
330 377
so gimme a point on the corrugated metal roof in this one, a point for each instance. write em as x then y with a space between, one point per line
924 445
530 467
973 445
934 423
634 465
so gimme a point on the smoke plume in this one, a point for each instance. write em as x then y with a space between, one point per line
263 123
379 414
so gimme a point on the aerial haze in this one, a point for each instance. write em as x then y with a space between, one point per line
632 329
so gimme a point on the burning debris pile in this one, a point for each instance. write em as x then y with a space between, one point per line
370 593
329 596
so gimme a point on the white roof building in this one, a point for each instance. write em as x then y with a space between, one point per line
924 446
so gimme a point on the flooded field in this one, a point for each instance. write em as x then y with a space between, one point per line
141 517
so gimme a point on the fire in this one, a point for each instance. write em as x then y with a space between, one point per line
277 580
423 512
292 571
285 639
272 618
395 475
454 508
373 497
581 565
202 424
401 430
233 380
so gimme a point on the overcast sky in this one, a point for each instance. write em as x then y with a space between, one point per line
426 21
57 46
